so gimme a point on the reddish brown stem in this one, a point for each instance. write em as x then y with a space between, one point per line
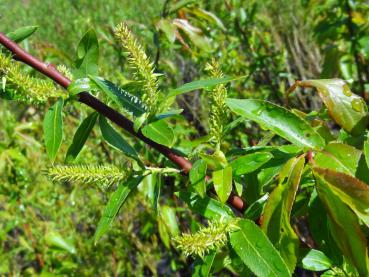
86 98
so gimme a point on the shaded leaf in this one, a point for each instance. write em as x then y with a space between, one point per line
114 204
197 177
207 207
80 137
203 265
256 251
53 129
278 120
254 211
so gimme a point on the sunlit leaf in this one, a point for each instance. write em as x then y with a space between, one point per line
316 260
249 163
112 208
277 212
344 227
80 137
347 109
22 33
222 180
256 251
348 189
54 239
87 55
160 132
197 177
53 129
278 120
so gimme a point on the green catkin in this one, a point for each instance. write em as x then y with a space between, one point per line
101 175
22 87
218 107
206 239
65 71
143 67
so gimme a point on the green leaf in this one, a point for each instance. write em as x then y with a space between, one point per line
53 129
207 207
249 163
279 120
87 55
197 177
277 212
160 132
82 84
254 211
56 240
22 33
222 180
339 157
256 251
316 260
203 265
168 29
366 151
347 109
80 137
116 140
169 218
112 208
348 189
124 99
344 228
201 84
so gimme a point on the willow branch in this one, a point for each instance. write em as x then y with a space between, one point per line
116 117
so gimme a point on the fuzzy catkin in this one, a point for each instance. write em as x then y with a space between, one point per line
206 239
101 175
142 66
22 87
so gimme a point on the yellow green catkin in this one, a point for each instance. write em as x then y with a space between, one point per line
22 87
206 239
143 67
101 175
218 107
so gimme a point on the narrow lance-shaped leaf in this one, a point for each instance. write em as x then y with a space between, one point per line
87 55
277 212
347 109
116 201
344 227
53 129
256 251
116 140
203 266
348 189
124 99
222 180
366 151
201 84
80 137
279 120
54 239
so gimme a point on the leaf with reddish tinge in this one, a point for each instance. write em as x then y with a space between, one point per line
344 226
347 109
350 190
277 212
